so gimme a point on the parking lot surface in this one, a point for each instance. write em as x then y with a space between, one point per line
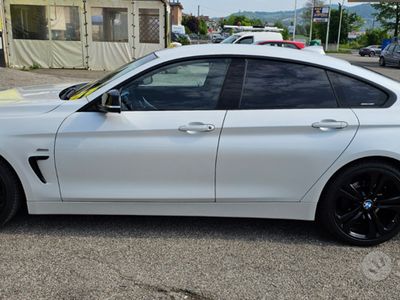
115 257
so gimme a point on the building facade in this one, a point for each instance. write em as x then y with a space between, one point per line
83 34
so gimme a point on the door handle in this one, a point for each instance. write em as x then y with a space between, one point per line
195 127
330 124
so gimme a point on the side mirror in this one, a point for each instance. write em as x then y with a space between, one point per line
111 102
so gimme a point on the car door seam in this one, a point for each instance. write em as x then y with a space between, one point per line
340 155
216 156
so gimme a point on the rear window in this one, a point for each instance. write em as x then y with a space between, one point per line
284 85
355 93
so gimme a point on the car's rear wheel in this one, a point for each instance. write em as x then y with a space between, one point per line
11 195
371 54
361 205
382 62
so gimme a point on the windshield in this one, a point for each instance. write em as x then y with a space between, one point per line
91 87
231 39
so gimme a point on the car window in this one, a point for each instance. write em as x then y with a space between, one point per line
355 93
289 46
246 40
190 85
390 48
279 85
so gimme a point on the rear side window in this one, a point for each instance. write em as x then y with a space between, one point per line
355 93
282 85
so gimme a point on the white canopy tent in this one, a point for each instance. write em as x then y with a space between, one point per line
87 34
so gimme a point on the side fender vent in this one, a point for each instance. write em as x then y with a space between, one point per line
33 161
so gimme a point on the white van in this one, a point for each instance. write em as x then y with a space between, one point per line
252 37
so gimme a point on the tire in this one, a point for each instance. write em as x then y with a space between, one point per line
362 55
11 194
361 205
382 62
371 54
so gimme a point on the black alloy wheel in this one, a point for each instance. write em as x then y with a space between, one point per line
11 193
362 206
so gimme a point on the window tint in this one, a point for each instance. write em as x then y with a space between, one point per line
273 84
246 40
355 93
194 85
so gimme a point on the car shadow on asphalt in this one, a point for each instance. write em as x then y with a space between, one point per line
241 229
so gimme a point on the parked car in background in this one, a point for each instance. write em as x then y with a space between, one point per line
250 37
390 55
371 50
284 44
217 38
211 130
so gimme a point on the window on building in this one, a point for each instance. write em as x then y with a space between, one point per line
355 93
149 26
29 22
64 23
109 24
282 85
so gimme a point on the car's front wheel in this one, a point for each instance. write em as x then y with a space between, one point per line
11 194
382 62
361 205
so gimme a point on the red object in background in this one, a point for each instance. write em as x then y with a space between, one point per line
285 44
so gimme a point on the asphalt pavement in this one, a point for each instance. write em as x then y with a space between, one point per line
118 257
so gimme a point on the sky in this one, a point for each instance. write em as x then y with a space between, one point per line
218 8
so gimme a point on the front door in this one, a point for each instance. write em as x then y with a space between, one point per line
287 132
162 147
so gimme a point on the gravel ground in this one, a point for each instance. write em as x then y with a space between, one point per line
100 257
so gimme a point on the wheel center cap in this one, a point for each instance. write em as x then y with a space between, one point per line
368 204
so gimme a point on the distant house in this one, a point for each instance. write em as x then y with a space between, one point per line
87 34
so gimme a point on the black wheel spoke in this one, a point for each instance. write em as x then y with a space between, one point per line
351 194
390 204
350 221
376 220
348 216
377 182
372 232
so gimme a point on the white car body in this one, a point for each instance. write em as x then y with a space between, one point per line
263 163
253 37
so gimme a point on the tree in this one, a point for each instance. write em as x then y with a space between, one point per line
373 37
191 24
285 32
240 20
389 15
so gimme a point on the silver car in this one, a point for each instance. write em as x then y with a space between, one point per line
212 130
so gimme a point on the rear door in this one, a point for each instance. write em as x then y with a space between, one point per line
286 132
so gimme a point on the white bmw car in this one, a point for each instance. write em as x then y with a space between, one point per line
225 130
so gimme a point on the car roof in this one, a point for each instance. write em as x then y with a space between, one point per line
252 50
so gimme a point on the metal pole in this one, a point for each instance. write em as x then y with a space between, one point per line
327 28
340 25
311 23
198 29
295 20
